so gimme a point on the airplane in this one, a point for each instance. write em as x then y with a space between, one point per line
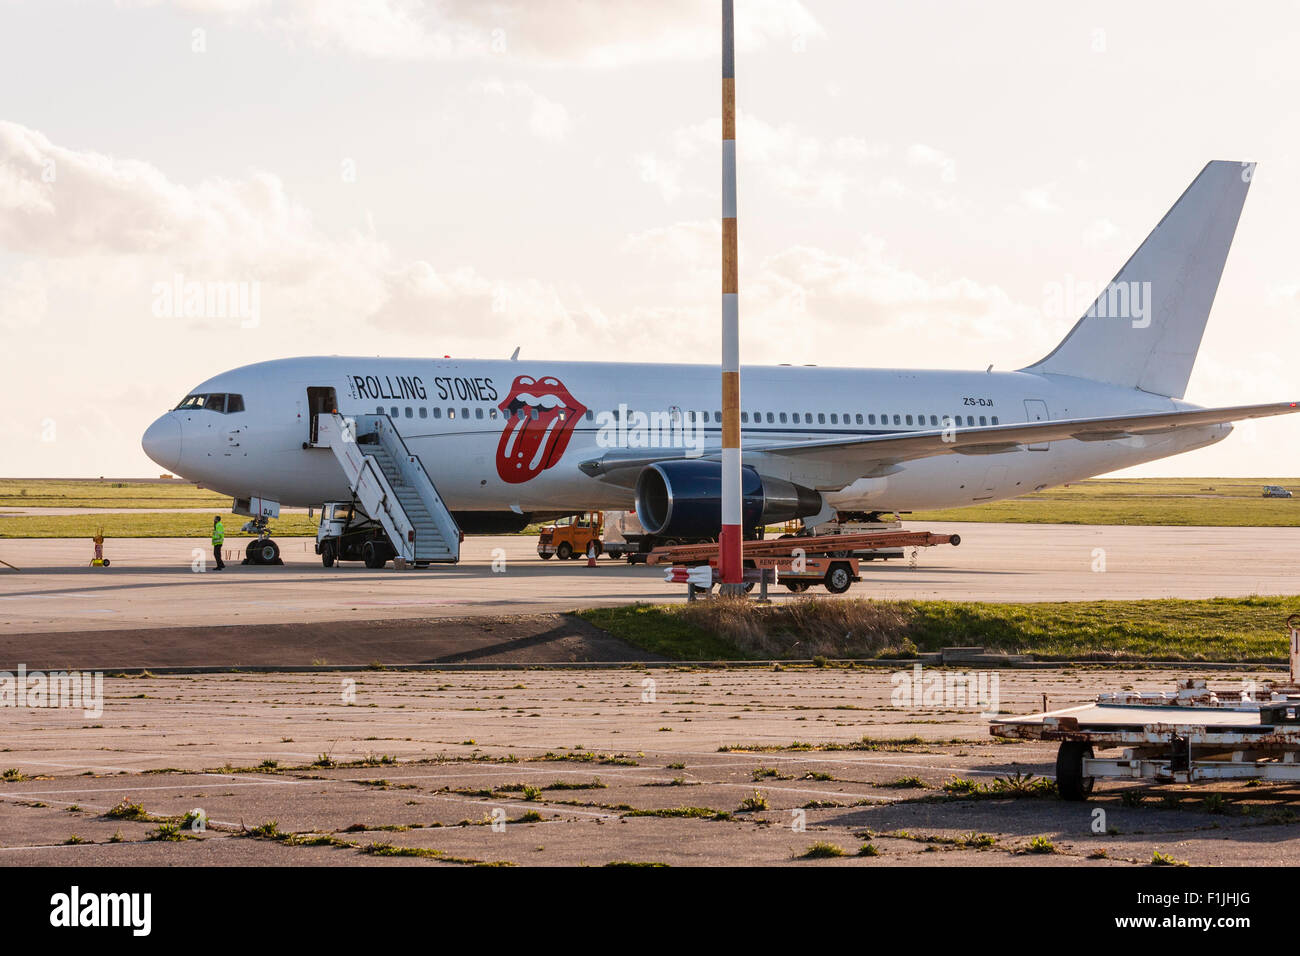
511 441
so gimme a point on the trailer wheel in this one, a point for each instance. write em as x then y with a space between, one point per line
839 578
327 555
373 555
544 555
798 587
1071 784
564 551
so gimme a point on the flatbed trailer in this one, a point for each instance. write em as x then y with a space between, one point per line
800 561
1191 736
824 544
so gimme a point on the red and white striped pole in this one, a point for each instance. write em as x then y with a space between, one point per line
730 547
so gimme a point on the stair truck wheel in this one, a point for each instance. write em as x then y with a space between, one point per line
1071 784
839 578
374 554
565 551
545 556
327 556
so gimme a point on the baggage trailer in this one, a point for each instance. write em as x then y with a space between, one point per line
1192 735
800 561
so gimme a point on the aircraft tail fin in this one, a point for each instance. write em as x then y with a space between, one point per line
1144 329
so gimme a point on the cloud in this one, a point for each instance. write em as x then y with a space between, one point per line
1100 231
23 298
802 167
550 32
864 300
547 119
1040 199
115 228
918 154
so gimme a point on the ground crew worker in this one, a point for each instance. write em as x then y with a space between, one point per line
218 538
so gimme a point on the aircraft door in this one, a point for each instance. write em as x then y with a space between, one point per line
1036 411
321 400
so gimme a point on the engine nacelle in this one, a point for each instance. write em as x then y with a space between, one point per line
684 499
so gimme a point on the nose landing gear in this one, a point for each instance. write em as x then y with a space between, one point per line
261 550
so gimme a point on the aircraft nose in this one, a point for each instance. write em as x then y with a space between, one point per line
162 442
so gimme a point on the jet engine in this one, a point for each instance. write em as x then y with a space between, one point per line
683 499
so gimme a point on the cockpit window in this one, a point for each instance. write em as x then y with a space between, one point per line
215 402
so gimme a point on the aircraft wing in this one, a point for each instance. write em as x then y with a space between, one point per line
868 453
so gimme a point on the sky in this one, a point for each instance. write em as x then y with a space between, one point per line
919 182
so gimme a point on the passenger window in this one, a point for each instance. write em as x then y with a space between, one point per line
770 418
437 413
909 419
783 418
897 420
478 413
859 418
744 418
536 414
464 413
379 410
983 421
393 411
492 413
451 413
871 419
424 412
717 416
995 419
410 413
970 419
835 419
591 416
821 418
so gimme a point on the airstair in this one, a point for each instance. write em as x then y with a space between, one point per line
390 485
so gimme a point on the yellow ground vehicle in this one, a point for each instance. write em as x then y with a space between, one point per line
569 537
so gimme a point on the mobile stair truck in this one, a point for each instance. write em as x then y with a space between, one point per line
395 513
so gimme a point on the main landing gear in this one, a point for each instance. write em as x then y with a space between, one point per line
261 550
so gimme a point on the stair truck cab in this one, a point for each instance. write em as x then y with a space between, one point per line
345 534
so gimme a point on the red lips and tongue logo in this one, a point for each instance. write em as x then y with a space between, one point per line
540 416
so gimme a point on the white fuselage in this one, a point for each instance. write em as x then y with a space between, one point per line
458 417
